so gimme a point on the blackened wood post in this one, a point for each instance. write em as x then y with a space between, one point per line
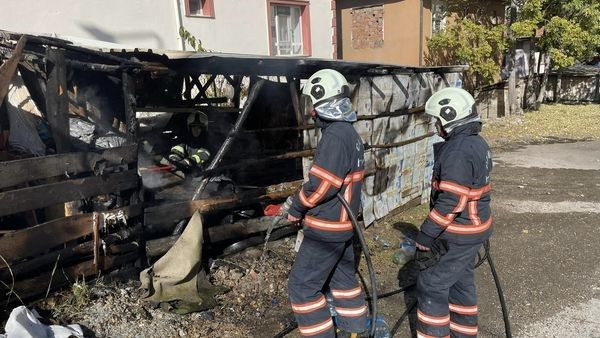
237 90
57 100
129 102
254 90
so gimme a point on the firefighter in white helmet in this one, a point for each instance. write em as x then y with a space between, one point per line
325 261
459 221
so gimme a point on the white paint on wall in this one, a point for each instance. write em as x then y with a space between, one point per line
239 26
136 23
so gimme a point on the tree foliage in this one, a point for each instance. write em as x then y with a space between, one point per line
570 29
467 42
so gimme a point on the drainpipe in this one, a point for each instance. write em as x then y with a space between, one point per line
420 32
178 23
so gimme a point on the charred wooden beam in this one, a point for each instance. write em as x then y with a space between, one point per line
229 140
128 84
187 110
237 230
67 45
396 113
20 171
41 196
251 162
401 112
9 67
294 88
97 67
399 144
30 288
68 255
57 100
38 239
156 219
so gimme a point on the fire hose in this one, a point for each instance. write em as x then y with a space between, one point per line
374 297
373 280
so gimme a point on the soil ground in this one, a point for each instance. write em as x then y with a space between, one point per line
546 196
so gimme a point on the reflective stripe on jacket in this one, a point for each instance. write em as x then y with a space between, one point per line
338 166
460 195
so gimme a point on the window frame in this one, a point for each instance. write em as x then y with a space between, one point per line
304 22
207 6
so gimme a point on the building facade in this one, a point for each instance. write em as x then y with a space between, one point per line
261 27
394 31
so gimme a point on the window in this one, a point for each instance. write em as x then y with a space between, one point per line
201 8
289 27
438 16
286 31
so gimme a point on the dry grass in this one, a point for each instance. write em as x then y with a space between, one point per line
551 122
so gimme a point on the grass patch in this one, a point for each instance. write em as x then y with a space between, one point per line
551 122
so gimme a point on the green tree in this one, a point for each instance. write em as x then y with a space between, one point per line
567 31
481 45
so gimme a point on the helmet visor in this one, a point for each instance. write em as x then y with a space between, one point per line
339 109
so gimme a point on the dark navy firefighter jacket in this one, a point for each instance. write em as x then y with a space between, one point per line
460 195
338 166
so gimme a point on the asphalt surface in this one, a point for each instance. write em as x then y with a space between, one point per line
546 201
546 205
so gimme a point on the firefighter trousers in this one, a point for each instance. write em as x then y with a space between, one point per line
447 299
322 267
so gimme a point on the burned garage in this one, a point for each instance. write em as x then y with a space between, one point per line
91 182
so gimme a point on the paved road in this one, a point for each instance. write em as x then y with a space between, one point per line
546 202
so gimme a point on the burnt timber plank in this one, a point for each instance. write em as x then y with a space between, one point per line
162 215
67 255
41 196
38 239
240 229
20 171
30 288
57 100
128 84
9 67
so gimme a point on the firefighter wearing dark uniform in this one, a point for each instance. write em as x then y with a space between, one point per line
459 221
325 261
191 153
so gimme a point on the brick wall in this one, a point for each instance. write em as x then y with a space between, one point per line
367 27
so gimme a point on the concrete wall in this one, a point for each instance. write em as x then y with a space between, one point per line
238 26
131 22
401 21
573 88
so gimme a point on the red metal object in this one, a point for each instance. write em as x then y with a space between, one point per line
159 169
272 210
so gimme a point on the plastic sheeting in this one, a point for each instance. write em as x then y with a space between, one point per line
395 176
25 323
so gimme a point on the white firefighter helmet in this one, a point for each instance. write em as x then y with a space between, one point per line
328 94
451 106
197 119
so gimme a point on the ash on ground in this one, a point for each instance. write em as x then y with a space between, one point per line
255 305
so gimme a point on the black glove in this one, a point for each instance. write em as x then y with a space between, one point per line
427 259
